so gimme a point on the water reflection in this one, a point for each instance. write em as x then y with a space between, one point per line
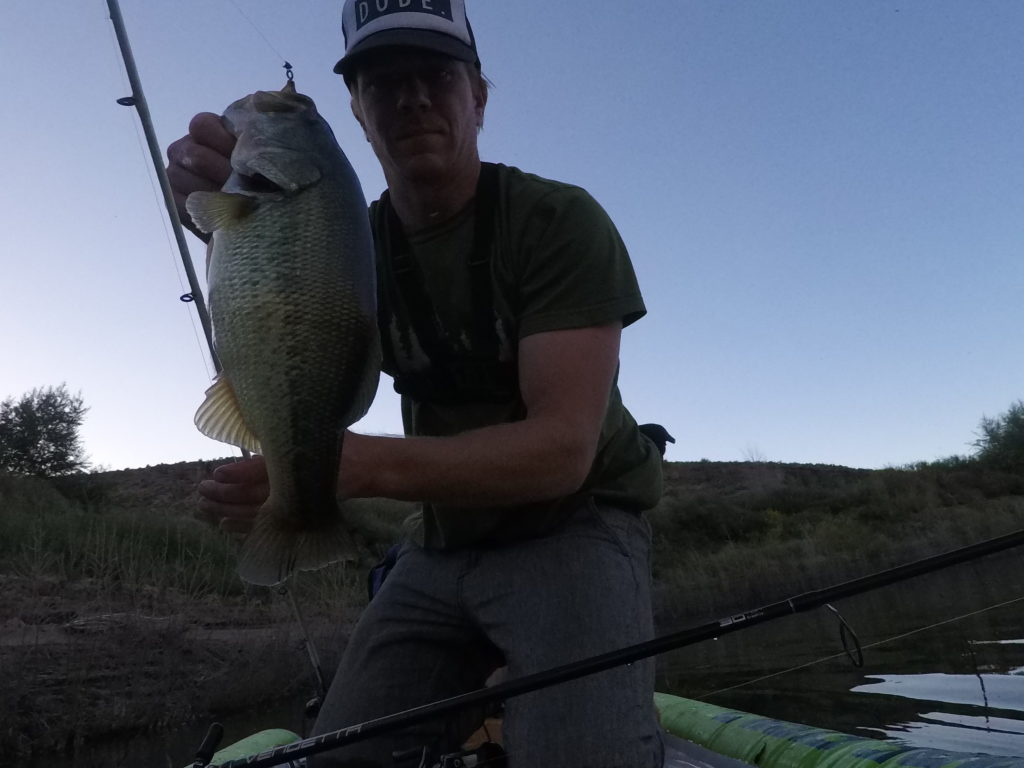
960 733
988 691
997 642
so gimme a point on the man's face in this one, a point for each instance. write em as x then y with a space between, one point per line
421 112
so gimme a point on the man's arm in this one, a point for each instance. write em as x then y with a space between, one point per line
565 378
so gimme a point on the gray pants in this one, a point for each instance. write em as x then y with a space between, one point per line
444 621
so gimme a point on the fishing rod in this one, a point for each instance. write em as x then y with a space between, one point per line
195 294
547 678
138 100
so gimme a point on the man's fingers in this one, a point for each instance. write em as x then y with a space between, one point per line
192 167
184 182
214 512
208 129
233 494
251 471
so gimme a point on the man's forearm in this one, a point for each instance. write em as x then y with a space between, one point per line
505 464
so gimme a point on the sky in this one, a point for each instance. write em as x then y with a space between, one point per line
822 200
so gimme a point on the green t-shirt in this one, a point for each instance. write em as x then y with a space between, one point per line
557 262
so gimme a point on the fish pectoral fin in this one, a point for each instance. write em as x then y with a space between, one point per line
217 210
220 417
291 171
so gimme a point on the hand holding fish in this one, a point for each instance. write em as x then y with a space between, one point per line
199 162
233 496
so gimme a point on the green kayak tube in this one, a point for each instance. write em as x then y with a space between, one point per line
255 744
726 738
767 743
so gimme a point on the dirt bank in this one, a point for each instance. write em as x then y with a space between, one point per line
77 668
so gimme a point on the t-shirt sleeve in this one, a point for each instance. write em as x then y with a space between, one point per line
575 270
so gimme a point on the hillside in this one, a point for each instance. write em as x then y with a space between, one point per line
735 521
823 521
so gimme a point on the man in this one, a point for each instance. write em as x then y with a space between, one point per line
503 299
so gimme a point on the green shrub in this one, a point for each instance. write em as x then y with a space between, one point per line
39 433
1001 439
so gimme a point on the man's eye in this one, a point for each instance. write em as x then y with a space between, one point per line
443 75
377 83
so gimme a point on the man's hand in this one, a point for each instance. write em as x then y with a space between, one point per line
234 495
199 162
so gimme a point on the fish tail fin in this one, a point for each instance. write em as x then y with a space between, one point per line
274 549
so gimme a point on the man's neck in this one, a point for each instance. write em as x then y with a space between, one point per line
420 205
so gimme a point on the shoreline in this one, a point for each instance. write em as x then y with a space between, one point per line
102 676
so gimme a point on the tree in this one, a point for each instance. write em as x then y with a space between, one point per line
1001 439
39 433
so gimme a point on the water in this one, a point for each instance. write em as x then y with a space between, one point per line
930 679
956 685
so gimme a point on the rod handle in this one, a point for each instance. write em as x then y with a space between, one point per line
209 746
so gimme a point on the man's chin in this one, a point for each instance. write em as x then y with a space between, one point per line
425 168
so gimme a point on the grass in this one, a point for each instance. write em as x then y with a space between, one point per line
726 536
777 530
44 535
124 547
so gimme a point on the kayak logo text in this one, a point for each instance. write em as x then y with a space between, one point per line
371 10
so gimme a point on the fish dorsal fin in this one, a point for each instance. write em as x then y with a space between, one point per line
217 210
220 417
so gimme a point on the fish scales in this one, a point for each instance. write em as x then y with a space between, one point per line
293 306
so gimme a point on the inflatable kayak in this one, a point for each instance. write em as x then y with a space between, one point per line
700 735
767 743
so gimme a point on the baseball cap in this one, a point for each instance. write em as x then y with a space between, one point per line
434 25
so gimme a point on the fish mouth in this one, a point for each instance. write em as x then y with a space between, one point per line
258 184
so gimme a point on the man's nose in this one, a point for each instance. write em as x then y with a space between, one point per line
413 94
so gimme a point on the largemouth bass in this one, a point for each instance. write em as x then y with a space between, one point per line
292 288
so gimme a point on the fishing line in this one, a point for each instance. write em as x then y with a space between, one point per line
875 644
259 32
169 239
154 188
